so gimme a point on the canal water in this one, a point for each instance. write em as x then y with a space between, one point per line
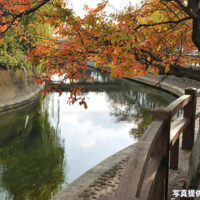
45 146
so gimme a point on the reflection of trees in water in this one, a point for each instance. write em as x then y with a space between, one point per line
134 105
98 76
143 120
131 101
32 163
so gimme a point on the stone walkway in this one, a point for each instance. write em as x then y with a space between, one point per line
106 184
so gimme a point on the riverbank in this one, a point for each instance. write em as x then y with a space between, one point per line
172 84
17 88
106 181
104 177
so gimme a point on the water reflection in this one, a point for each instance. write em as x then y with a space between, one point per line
135 105
31 159
46 146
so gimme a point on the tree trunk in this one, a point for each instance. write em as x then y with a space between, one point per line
187 72
194 8
196 31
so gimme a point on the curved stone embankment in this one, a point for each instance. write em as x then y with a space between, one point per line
172 84
104 177
16 89
101 179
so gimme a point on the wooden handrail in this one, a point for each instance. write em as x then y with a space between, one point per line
151 176
141 157
179 103
177 128
146 175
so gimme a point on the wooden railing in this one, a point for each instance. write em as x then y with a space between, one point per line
146 175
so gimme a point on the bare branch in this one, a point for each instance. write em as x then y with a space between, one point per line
162 23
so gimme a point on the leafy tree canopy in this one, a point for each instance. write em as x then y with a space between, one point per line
156 35
20 36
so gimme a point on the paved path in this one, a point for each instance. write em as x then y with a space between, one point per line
178 178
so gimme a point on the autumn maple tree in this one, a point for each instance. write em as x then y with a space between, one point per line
155 36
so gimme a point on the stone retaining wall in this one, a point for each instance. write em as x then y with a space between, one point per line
17 88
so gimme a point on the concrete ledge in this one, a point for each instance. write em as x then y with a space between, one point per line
29 98
83 182
162 85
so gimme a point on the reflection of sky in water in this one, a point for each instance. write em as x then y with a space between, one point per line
87 131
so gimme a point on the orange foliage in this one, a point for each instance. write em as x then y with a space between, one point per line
153 36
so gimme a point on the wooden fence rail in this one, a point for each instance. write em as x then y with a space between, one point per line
146 175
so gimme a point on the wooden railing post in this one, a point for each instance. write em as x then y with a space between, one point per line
174 155
162 146
189 112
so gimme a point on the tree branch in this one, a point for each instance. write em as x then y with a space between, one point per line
162 23
16 17
185 9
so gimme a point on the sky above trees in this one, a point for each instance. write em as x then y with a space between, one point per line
112 6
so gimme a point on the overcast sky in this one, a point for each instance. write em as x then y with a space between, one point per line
119 5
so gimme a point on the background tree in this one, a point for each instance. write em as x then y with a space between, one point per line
21 30
12 11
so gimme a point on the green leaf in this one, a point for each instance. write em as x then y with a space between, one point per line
128 48
124 36
112 41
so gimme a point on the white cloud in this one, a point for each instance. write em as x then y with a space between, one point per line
89 135
119 5
89 127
